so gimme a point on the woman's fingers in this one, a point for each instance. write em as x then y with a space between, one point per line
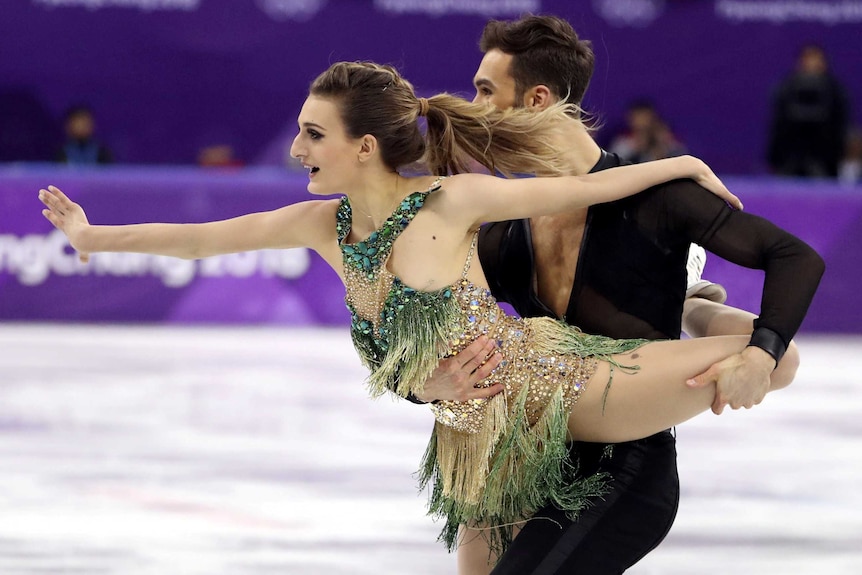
57 207
53 213
60 208
46 197
707 178
57 193
723 192
733 200
51 201
55 199
51 217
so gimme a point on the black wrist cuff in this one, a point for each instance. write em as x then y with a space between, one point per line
770 342
413 399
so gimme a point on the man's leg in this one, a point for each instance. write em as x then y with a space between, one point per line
615 531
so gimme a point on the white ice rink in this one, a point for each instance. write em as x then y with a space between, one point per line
234 451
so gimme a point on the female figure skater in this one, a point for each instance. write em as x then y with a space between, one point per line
404 250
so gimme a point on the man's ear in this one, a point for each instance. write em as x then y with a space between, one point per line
539 97
367 147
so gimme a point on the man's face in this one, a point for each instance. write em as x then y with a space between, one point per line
642 119
80 126
493 82
812 61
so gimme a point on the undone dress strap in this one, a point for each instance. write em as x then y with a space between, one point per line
470 255
436 183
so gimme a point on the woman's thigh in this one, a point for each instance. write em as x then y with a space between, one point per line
623 405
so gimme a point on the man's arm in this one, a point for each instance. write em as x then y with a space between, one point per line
679 212
792 268
792 273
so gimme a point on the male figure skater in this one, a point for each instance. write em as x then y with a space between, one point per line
619 270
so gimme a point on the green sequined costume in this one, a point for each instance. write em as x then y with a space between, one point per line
490 462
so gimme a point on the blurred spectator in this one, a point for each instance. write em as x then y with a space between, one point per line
647 137
219 156
809 119
850 170
28 130
81 147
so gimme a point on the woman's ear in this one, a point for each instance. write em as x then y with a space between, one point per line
367 147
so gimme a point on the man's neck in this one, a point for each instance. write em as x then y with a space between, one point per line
581 151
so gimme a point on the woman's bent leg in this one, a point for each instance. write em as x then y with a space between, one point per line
704 318
653 398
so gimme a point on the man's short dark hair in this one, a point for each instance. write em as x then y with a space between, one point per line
545 50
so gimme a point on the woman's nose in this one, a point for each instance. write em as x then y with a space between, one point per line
295 151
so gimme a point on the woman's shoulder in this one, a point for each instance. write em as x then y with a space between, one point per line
322 219
467 180
426 184
460 190
315 213
321 207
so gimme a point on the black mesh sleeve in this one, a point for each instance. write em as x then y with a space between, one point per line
792 268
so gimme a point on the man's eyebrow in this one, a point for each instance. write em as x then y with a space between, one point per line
483 82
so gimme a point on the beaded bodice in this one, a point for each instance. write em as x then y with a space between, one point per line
374 295
492 460
535 369
389 318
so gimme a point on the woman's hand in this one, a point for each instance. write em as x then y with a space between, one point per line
67 216
704 176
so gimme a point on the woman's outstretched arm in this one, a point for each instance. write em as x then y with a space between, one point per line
297 225
482 198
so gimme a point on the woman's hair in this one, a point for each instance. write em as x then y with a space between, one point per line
513 141
374 99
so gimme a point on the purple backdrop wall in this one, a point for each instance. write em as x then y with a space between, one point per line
41 280
168 77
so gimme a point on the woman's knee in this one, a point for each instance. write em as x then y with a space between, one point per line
786 370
